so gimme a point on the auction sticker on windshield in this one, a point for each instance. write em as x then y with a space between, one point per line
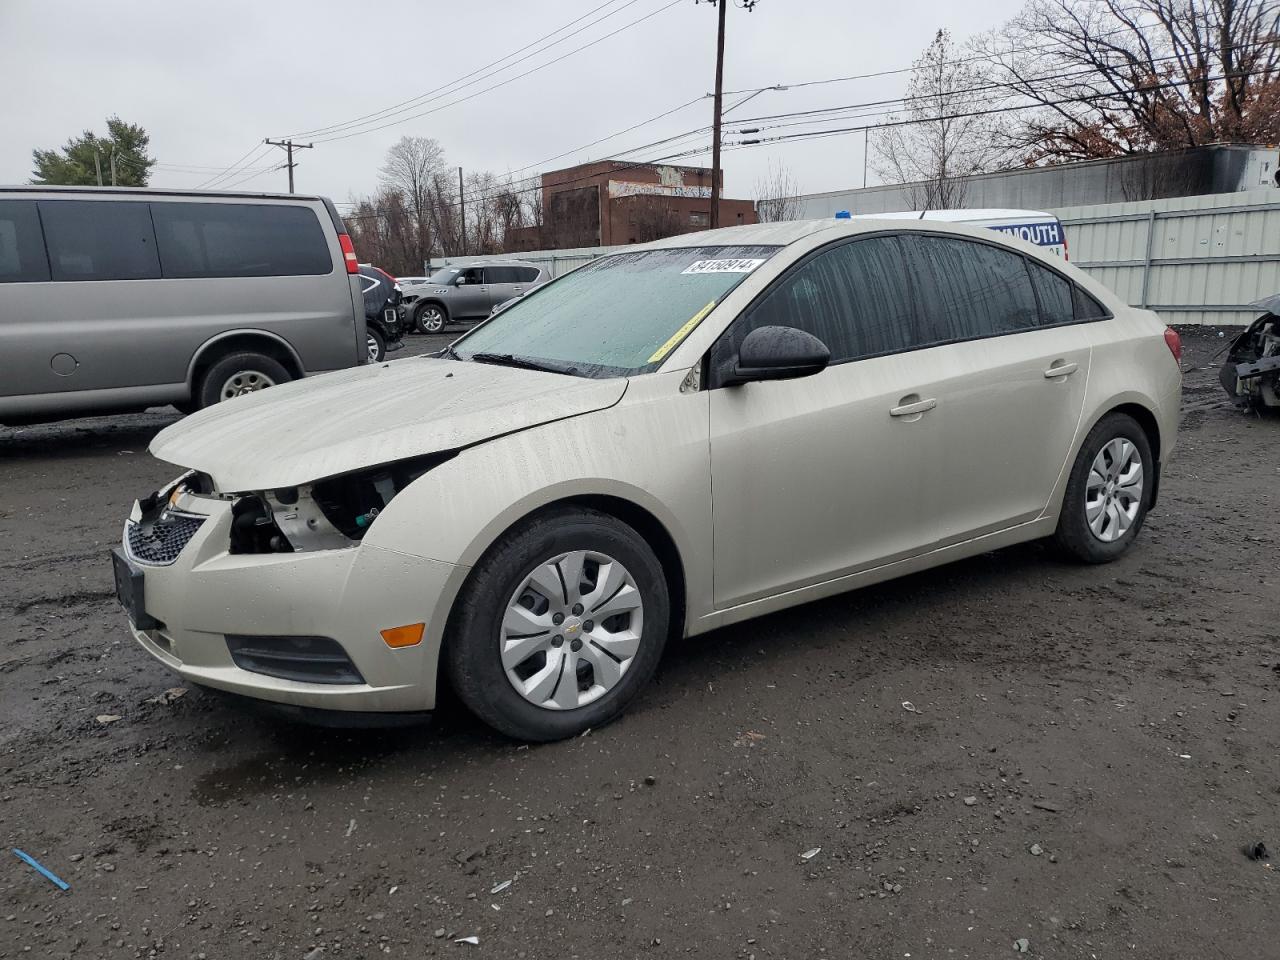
734 265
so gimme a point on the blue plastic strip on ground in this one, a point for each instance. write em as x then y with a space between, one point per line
40 868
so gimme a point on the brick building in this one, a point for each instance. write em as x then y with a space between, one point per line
611 202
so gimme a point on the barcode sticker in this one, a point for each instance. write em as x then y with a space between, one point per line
734 265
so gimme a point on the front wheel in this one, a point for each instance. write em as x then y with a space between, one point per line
430 318
559 626
1109 491
377 345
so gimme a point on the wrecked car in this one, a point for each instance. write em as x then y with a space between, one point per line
672 438
1251 373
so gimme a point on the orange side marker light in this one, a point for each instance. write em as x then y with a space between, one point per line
409 635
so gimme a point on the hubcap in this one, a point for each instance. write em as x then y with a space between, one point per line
571 630
373 349
432 319
1113 494
246 381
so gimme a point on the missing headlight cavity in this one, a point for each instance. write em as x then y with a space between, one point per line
254 530
352 501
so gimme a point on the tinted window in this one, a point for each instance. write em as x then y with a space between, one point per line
240 240
1087 308
22 257
527 274
475 275
501 275
853 297
99 240
968 289
1054 291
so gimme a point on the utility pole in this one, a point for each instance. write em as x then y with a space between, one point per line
97 164
289 147
113 165
462 211
715 132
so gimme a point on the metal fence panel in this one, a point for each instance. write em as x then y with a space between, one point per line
556 262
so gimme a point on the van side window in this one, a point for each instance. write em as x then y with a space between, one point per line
527 274
853 297
240 240
967 289
99 240
22 256
1054 291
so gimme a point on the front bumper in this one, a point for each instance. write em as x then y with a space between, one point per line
348 595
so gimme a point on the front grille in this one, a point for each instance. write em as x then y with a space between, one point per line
159 542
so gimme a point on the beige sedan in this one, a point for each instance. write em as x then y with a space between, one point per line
670 439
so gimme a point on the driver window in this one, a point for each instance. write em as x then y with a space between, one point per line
473 276
854 297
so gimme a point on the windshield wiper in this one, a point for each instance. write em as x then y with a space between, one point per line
524 363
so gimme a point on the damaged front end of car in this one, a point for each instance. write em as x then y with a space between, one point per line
1251 373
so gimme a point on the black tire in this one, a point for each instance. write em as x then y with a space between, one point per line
248 364
377 345
434 325
1074 536
472 648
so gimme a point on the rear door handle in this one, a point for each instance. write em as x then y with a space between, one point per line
1060 369
913 406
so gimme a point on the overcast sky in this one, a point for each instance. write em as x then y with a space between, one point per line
209 80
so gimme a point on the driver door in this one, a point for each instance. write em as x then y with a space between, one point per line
471 297
823 476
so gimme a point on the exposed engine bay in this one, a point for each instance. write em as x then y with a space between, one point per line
1251 374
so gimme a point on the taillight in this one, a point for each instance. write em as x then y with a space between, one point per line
1174 343
1066 254
349 253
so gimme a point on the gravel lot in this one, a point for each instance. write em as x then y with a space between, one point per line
1090 751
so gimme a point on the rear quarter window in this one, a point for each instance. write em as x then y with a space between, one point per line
99 240
22 256
240 240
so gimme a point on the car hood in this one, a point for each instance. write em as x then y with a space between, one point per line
339 422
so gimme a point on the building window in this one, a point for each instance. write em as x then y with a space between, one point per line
698 218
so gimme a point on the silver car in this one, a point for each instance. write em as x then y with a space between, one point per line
468 293
121 299
675 438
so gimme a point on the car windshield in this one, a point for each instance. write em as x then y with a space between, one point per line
618 315
445 275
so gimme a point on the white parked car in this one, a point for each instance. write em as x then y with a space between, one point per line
669 439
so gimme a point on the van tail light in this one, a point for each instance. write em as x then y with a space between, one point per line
1174 343
349 253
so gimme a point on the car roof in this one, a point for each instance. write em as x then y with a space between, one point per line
154 192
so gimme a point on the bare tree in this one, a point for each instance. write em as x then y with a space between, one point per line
1117 77
651 217
777 195
409 169
942 137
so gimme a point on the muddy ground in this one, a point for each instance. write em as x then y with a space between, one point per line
1091 750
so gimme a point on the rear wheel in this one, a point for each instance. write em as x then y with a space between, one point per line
430 318
377 345
560 626
1108 492
237 375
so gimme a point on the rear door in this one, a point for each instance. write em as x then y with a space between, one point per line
1007 377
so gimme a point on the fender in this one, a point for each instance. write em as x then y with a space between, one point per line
247 331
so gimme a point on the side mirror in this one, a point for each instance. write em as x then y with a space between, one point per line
460 282
778 353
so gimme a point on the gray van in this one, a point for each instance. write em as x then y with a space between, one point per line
117 299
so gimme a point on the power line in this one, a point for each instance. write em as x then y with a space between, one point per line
412 101
258 149
502 83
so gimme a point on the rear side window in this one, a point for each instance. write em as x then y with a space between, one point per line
853 297
1054 292
22 256
527 274
500 275
99 240
240 240
1087 308
968 289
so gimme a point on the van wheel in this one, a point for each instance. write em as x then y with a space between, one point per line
237 375
1108 492
377 345
560 625
430 318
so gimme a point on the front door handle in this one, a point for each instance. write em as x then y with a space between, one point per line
912 406
1060 369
